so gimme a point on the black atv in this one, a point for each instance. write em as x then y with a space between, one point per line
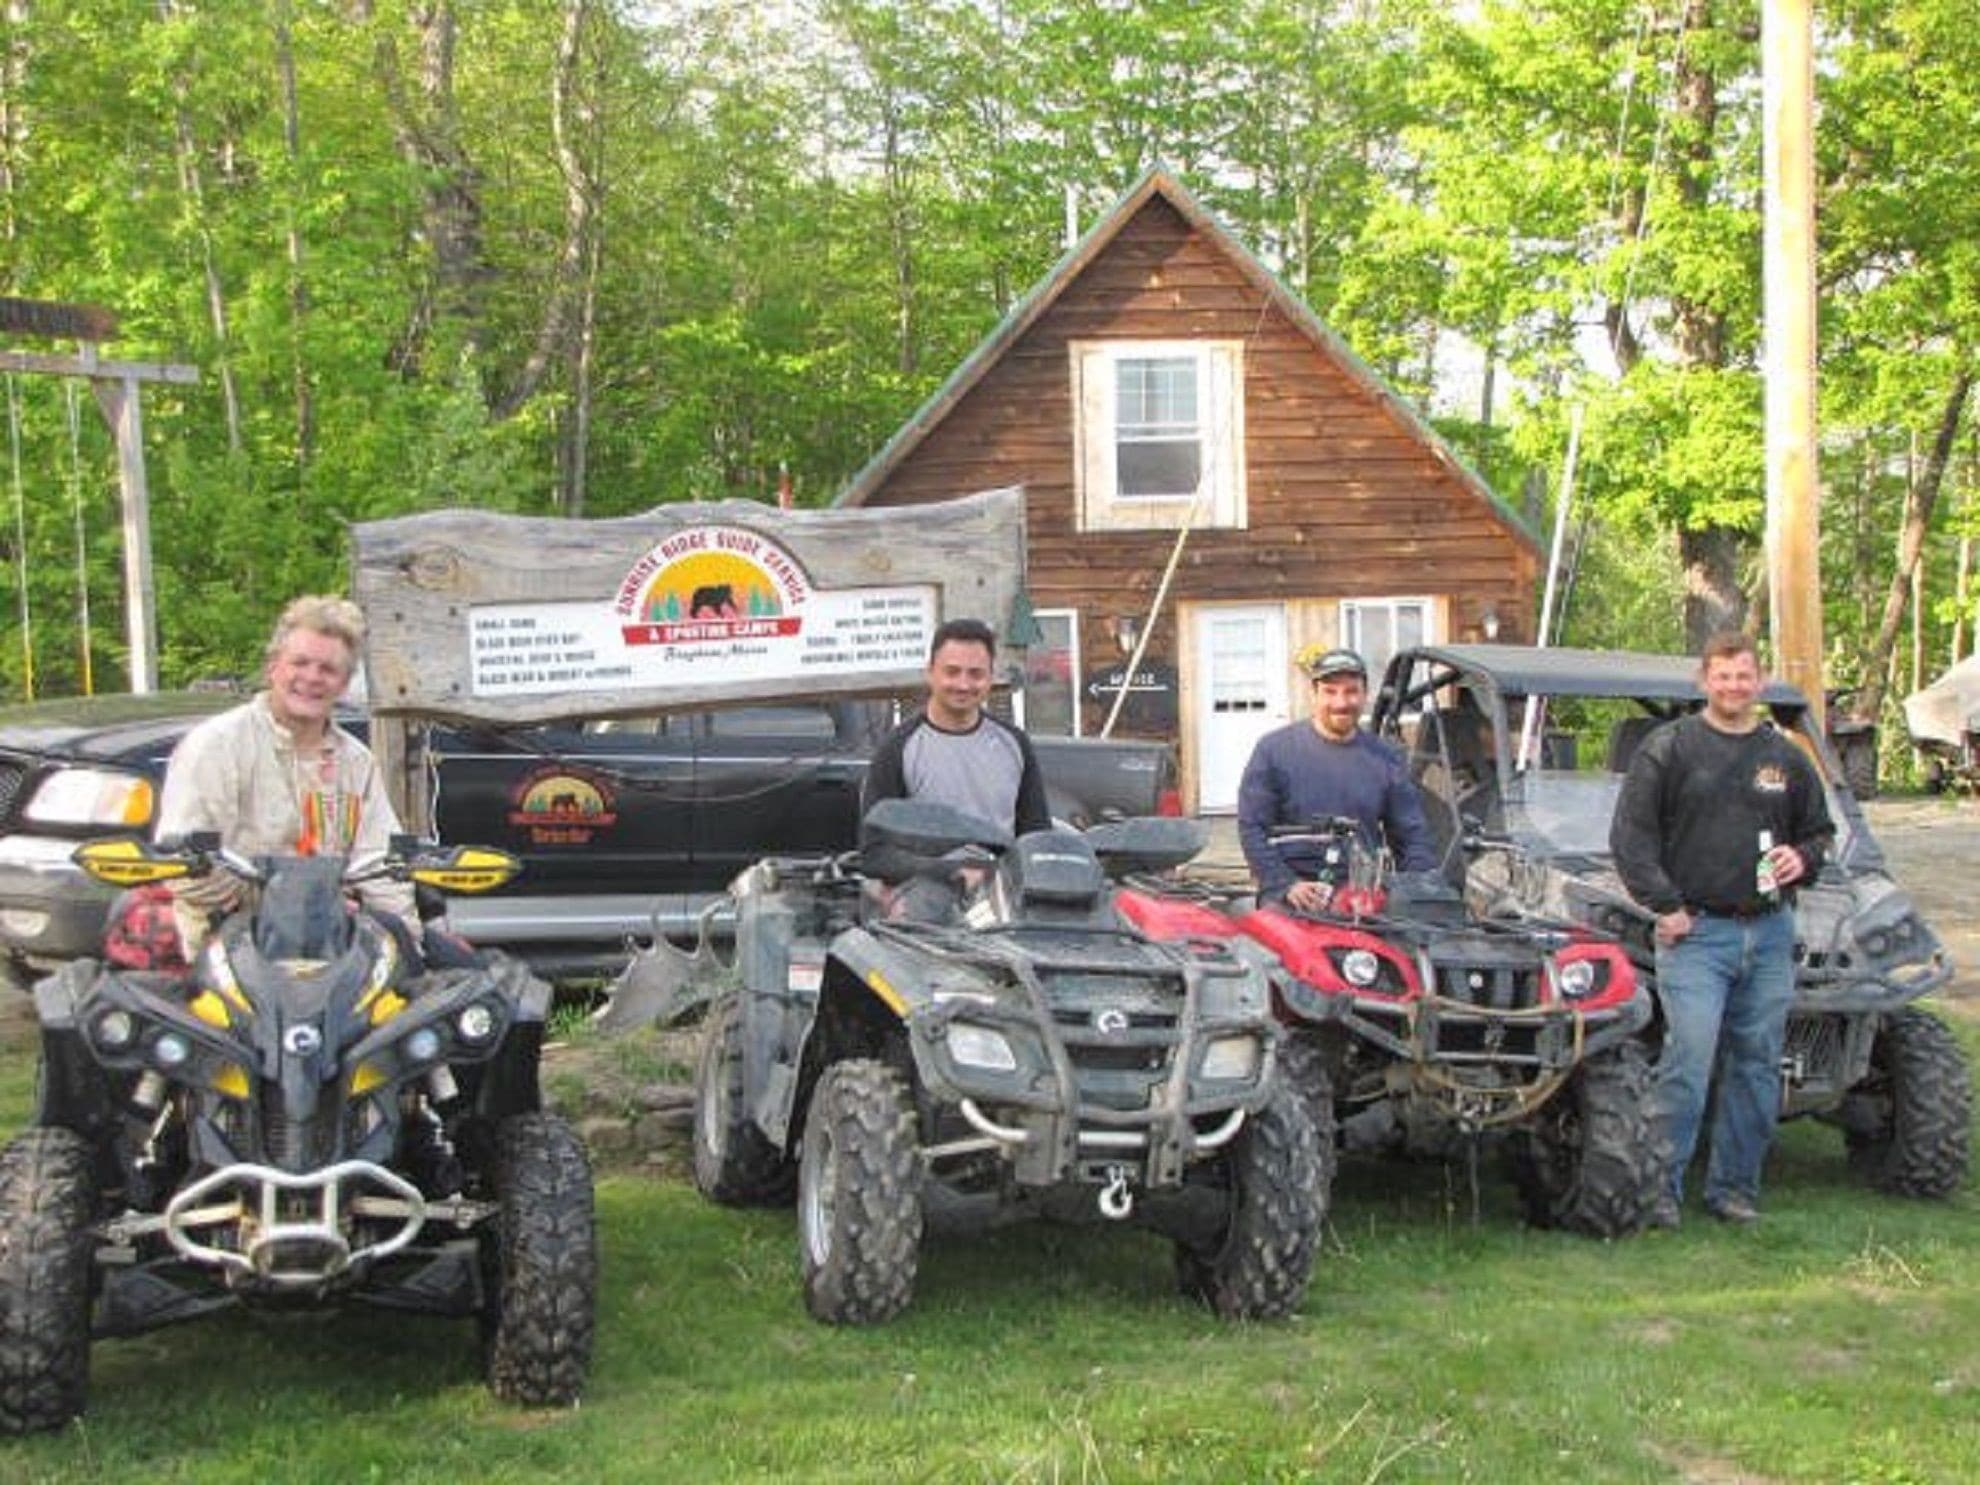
301 1119
952 1029
1417 1028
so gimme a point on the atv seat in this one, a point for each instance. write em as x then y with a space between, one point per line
1054 876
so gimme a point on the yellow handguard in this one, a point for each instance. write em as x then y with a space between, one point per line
128 862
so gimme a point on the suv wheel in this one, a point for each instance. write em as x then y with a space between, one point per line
1589 1161
859 1196
47 1199
1918 1101
541 1259
1260 1268
733 1163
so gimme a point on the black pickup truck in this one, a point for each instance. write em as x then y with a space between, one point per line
629 825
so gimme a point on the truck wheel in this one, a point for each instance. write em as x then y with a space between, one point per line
1921 1091
1260 1269
540 1258
1303 1069
47 1199
733 1163
859 1196
1590 1161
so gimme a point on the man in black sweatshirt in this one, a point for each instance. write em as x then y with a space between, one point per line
1720 816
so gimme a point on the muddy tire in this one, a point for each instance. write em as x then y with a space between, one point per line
1590 1160
541 1264
47 1200
1303 1068
1260 1268
1920 1091
733 1163
859 1196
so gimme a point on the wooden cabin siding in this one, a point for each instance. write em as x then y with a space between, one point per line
1344 498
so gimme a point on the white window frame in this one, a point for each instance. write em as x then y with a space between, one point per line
1220 499
1351 613
1022 695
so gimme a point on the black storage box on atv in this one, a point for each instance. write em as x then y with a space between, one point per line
953 1029
302 1118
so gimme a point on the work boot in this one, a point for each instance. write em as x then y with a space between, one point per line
1664 1214
1734 1209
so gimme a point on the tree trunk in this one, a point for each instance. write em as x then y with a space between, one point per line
304 394
568 110
1919 500
192 186
13 133
1713 599
426 125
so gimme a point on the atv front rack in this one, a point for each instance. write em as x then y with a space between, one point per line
289 1229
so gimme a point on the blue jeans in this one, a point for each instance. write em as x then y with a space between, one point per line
1725 989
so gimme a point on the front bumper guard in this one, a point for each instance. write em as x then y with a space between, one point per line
292 1226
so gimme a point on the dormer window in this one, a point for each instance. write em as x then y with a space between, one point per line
1159 435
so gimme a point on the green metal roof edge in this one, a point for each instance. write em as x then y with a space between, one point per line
1156 179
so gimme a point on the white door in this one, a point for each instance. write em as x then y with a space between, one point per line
1240 659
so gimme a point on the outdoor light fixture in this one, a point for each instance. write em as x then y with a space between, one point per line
1127 632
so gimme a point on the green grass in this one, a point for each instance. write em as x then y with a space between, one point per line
1834 1343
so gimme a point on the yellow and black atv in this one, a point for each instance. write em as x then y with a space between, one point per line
949 1029
304 1115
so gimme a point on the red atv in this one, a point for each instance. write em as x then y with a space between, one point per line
1419 1028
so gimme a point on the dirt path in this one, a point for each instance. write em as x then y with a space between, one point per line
1933 845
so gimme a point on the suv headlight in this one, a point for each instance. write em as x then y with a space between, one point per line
92 796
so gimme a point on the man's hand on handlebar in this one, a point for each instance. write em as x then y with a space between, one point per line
1309 897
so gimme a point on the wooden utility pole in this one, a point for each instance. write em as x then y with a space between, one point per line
1794 570
116 385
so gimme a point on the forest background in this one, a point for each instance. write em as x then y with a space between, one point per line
588 256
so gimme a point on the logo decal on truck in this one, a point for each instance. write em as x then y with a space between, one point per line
558 806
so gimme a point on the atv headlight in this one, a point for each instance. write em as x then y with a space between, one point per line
423 1045
1232 1058
1578 978
1361 967
171 1050
92 796
114 1030
978 1046
476 1024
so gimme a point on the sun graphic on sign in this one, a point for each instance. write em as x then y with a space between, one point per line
709 585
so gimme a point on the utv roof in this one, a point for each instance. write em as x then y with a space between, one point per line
1523 670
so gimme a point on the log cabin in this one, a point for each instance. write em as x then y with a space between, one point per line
1167 405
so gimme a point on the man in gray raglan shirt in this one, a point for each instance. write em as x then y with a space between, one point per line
955 752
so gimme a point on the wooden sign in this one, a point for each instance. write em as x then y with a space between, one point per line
505 619
53 320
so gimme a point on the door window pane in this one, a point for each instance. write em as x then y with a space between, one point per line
1051 677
